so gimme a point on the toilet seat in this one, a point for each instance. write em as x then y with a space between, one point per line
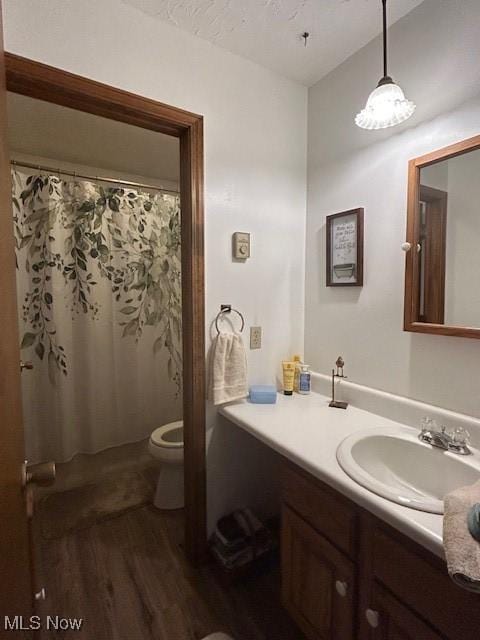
165 438
166 446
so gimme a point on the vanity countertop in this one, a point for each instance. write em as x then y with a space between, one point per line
307 431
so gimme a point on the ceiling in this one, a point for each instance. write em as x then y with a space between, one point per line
268 32
48 130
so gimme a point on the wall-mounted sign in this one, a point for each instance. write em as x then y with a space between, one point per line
345 249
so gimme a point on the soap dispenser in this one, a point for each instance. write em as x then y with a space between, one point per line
304 380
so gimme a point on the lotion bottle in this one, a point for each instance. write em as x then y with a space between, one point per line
296 379
288 376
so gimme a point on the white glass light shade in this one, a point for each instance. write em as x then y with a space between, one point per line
386 107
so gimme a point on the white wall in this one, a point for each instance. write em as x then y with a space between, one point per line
255 151
433 55
86 142
435 59
435 175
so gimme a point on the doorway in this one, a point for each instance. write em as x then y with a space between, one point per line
35 80
432 239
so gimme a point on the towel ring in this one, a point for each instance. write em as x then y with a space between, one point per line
227 308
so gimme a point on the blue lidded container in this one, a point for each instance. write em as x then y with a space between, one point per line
263 394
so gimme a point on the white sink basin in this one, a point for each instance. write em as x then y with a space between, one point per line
394 464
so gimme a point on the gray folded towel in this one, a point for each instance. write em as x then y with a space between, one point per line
462 551
473 521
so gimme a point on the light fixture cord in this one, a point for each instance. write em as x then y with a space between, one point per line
384 2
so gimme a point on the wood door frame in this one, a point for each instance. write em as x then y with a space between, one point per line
410 318
432 196
38 80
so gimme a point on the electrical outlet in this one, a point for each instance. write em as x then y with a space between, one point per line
255 337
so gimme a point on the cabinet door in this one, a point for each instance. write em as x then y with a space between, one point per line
317 581
388 619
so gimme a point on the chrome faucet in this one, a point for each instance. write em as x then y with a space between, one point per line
456 442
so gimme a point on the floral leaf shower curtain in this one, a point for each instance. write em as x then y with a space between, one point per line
99 294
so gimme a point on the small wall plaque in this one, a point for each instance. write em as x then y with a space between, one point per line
345 249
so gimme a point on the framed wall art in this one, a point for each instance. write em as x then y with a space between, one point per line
344 233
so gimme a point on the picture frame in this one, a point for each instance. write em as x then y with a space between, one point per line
344 248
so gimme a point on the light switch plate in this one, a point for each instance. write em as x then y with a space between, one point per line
241 245
255 337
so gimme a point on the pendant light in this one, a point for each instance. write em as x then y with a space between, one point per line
386 105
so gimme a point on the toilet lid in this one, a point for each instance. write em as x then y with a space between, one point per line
169 435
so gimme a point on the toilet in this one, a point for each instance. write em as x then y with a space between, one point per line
166 446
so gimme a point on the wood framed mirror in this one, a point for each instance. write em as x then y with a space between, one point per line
442 267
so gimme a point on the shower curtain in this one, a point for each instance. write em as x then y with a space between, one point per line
99 299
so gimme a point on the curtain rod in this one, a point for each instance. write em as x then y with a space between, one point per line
74 174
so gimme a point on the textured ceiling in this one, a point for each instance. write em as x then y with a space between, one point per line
269 31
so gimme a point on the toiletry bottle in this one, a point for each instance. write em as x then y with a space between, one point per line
288 376
296 379
304 380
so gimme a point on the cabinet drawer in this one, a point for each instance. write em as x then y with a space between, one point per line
323 508
422 583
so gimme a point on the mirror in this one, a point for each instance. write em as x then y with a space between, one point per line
442 292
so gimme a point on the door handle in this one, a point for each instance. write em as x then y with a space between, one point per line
42 475
406 246
41 595
372 617
25 365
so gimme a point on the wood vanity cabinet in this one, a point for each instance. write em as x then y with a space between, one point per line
395 620
317 581
347 575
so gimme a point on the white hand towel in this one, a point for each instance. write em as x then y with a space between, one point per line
461 549
228 369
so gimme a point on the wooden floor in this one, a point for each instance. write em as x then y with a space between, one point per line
128 579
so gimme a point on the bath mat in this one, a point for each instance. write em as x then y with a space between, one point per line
65 511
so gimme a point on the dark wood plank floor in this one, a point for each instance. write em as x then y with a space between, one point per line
128 579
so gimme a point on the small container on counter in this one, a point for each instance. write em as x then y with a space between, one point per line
288 377
296 379
263 394
304 383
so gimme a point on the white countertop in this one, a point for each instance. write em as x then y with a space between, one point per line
307 431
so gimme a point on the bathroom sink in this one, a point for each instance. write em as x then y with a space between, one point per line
394 464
